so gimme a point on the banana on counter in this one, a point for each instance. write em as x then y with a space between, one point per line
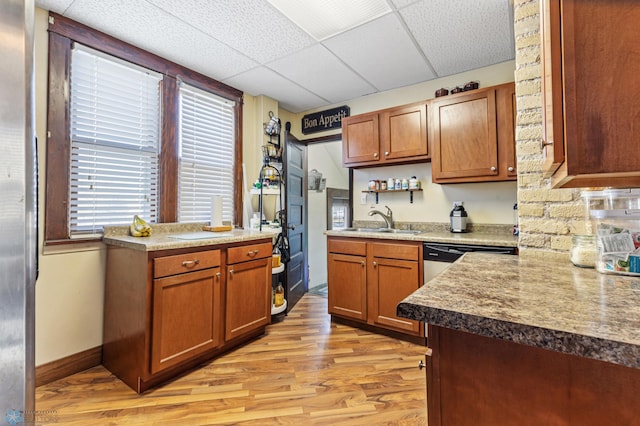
139 227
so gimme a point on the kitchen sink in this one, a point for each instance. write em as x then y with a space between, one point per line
385 230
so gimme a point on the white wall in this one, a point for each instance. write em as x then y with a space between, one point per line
326 158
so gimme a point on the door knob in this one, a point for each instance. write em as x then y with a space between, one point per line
292 227
421 365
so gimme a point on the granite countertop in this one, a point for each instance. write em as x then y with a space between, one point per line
471 238
548 304
176 236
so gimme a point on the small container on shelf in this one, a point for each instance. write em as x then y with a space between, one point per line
278 296
383 185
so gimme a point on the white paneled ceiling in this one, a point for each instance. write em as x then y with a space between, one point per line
252 46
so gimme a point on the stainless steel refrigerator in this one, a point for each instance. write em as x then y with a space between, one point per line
18 213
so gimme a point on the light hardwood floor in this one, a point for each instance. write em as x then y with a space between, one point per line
305 370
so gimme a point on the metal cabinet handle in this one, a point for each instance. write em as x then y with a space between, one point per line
252 253
375 154
386 153
493 169
362 262
421 365
544 144
218 275
190 263
230 271
510 168
375 263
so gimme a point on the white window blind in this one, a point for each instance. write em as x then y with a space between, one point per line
207 151
115 138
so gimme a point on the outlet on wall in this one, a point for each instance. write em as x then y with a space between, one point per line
363 198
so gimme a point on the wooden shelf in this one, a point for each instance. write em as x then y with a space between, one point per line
410 191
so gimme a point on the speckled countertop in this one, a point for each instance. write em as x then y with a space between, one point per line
549 304
472 238
170 236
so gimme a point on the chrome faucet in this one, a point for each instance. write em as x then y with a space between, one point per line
388 218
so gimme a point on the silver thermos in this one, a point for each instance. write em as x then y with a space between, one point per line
458 218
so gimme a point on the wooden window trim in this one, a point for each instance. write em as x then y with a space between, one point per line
62 33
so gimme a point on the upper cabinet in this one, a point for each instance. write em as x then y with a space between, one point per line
472 136
391 136
591 115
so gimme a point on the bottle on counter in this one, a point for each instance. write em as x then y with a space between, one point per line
278 297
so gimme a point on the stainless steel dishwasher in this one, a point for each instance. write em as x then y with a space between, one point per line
438 256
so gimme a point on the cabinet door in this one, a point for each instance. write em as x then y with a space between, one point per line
403 132
347 285
591 82
248 293
464 138
551 61
186 317
361 139
390 281
506 116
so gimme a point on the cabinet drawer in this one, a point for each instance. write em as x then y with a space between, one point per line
248 252
396 250
181 263
347 246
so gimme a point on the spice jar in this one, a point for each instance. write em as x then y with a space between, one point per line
583 251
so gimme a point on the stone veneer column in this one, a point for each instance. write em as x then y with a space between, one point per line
547 216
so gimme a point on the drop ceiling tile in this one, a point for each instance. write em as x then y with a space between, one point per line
264 81
458 35
383 53
320 72
253 27
152 29
399 4
57 6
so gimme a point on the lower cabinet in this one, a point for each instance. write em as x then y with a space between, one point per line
368 278
246 310
481 381
167 311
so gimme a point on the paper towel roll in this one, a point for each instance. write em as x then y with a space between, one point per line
216 210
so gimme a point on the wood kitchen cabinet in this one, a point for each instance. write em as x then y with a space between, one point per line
590 56
368 278
473 136
474 380
167 311
186 308
391 136
248 306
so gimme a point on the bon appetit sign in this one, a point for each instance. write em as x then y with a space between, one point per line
324 120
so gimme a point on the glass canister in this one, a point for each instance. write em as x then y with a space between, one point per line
583 251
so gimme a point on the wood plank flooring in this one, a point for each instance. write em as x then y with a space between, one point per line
305 370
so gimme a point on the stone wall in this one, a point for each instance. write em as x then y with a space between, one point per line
548 217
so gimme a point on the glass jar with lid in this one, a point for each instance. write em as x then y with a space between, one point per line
583 251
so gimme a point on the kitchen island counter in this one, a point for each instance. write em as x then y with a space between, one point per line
529 342
547 304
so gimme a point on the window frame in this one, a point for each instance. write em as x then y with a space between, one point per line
62 33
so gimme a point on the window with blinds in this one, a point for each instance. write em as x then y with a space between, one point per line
207 152
115 139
